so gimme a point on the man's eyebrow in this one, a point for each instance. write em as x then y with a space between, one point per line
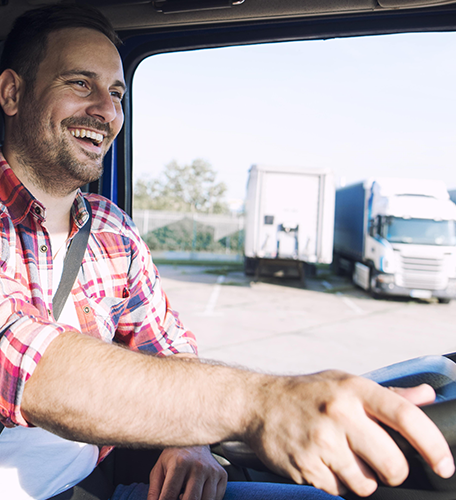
91 74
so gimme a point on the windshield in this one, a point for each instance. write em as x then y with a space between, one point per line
202 118
419 231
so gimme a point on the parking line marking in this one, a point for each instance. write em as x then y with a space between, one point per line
354 307
212 302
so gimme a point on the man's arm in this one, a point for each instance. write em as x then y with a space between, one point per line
102 393
191 471
320 428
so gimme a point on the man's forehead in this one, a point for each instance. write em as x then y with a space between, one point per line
82 50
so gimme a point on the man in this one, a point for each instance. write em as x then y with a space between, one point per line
61 87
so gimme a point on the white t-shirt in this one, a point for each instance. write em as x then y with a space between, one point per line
36 464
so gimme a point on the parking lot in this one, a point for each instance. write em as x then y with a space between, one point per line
279 325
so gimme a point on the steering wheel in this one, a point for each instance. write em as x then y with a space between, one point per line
422 483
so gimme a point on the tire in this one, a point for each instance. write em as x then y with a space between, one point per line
444 301
310 270
250 266
374 294
335 266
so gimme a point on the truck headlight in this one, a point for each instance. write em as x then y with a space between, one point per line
385 278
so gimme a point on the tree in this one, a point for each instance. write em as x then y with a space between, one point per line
187 188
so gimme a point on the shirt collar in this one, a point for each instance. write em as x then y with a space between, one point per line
16 197
79 211
20 202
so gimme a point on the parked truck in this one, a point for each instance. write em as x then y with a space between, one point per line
397 237
289 216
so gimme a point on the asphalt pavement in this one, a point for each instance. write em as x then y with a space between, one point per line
280 325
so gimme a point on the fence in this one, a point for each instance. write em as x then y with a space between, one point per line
191 232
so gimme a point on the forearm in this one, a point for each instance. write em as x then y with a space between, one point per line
87 390
320 428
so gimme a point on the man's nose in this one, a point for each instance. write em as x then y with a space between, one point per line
103 107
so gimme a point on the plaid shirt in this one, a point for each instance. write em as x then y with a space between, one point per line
117 295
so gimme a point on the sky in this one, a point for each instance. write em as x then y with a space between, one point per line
361 107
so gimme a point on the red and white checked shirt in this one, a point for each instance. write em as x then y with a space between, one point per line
117 295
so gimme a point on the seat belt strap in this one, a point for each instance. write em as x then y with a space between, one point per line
71 265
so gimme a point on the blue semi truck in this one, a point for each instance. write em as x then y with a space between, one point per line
397 237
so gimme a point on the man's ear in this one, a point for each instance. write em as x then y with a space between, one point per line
10 88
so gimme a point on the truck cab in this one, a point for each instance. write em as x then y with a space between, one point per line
402 239
157 27
412 240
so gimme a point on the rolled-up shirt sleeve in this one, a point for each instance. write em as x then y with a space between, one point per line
26 327
25 337
118 294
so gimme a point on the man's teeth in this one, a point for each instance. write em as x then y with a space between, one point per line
80 132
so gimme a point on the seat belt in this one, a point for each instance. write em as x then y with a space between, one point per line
71 265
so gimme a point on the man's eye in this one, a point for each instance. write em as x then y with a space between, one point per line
117 95
79 83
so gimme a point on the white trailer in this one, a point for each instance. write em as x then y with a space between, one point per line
289 216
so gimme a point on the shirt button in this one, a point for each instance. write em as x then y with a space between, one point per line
43 248
37 210
86 309
49 312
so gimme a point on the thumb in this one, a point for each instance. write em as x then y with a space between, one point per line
420 395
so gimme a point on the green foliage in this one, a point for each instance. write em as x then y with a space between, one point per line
185 234
189 235
187 188
234 242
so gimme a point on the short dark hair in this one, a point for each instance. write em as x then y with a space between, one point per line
25 46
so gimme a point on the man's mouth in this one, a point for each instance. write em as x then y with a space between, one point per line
89 135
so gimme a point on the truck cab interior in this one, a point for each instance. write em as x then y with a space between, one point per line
149 27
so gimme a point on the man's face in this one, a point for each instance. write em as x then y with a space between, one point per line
68 120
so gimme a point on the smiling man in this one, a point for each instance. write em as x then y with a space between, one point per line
118 367
62 116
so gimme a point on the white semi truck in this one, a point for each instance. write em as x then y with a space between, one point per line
289 216
397 237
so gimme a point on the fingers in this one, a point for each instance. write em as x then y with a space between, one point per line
375 447
321 476
156 479
197 487
330 435
404 417
193 489
221 488
339 467
164 486
187 474
420 395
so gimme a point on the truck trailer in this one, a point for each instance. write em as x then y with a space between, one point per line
397 237
289 216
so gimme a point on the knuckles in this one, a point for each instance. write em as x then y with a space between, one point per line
394 472
189 461
331 405
365 488
404 413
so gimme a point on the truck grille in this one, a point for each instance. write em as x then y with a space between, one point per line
419 273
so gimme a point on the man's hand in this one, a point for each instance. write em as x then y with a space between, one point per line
323 429
187 474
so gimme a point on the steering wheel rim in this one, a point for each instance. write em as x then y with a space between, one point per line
437 371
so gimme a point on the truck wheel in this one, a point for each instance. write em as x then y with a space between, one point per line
444 301
310 270
372 286
250 266
335 266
